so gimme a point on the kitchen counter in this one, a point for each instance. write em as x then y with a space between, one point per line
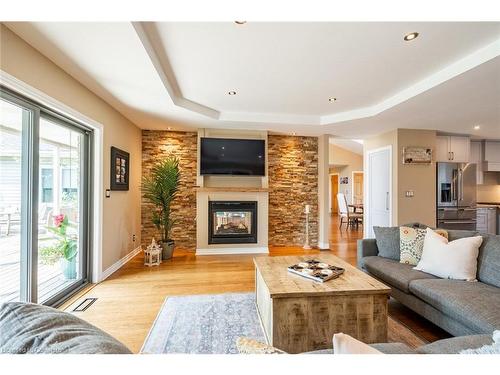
488 204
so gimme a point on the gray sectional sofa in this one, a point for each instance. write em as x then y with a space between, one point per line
454 345
459 307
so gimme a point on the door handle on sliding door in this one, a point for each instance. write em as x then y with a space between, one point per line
387 201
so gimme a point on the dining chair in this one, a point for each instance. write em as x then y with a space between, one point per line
344 213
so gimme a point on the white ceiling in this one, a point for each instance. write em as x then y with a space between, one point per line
177 75
352 145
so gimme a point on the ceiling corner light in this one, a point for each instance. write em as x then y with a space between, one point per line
411 36
477 127
231 93
240 22
332 99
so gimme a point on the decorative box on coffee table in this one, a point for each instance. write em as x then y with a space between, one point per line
300 315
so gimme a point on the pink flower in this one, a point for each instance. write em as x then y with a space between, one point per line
58 220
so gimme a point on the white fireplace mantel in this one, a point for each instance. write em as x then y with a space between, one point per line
204 196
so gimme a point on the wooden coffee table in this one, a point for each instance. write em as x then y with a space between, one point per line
300 315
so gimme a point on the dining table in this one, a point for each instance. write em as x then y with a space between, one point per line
356 207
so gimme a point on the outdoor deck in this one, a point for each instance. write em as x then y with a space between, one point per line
50 278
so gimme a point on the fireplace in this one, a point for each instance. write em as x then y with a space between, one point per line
232 222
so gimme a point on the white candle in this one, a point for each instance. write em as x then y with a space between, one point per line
308 209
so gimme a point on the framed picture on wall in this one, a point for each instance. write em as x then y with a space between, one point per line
120 161
417 155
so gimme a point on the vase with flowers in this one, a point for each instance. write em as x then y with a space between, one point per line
64 250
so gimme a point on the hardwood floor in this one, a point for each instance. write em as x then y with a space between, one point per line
129 300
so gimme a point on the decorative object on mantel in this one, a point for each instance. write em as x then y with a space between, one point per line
152 254
417 155
344 180
120 161
160 188
307 211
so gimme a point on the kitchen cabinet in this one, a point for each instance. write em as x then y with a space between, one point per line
491 159
452 148
442 149
487 220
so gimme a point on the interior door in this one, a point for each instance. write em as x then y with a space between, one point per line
334 180
379 192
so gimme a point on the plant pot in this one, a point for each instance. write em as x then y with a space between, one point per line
68 268
167 249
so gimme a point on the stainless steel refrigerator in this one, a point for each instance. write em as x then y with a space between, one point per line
456 196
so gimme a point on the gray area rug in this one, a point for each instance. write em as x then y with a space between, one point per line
204 324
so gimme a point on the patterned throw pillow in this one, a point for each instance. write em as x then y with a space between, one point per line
411 244
251 346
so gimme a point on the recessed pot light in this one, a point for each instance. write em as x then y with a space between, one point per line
411 36
240 22
332 99
231 93
477 127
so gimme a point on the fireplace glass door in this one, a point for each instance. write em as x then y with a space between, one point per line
232 222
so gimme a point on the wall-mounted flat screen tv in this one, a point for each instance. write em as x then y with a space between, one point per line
239 157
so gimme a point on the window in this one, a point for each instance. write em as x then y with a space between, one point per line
46 180
44 202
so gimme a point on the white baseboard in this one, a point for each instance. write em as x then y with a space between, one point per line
118 264
233 250
323 246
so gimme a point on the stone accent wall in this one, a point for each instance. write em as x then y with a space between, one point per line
155 145
293 183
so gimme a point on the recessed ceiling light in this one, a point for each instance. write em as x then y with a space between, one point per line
240 22
231 93
411 36
332 99
477 127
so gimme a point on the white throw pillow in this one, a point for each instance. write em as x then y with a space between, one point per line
486 349
345 344
450 260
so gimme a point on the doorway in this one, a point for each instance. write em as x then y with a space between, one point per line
378 192
357 187
334 189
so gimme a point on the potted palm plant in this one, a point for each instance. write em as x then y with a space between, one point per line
64 249
160 188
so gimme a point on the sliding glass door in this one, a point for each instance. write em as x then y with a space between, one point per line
11 197
44 203
61 163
